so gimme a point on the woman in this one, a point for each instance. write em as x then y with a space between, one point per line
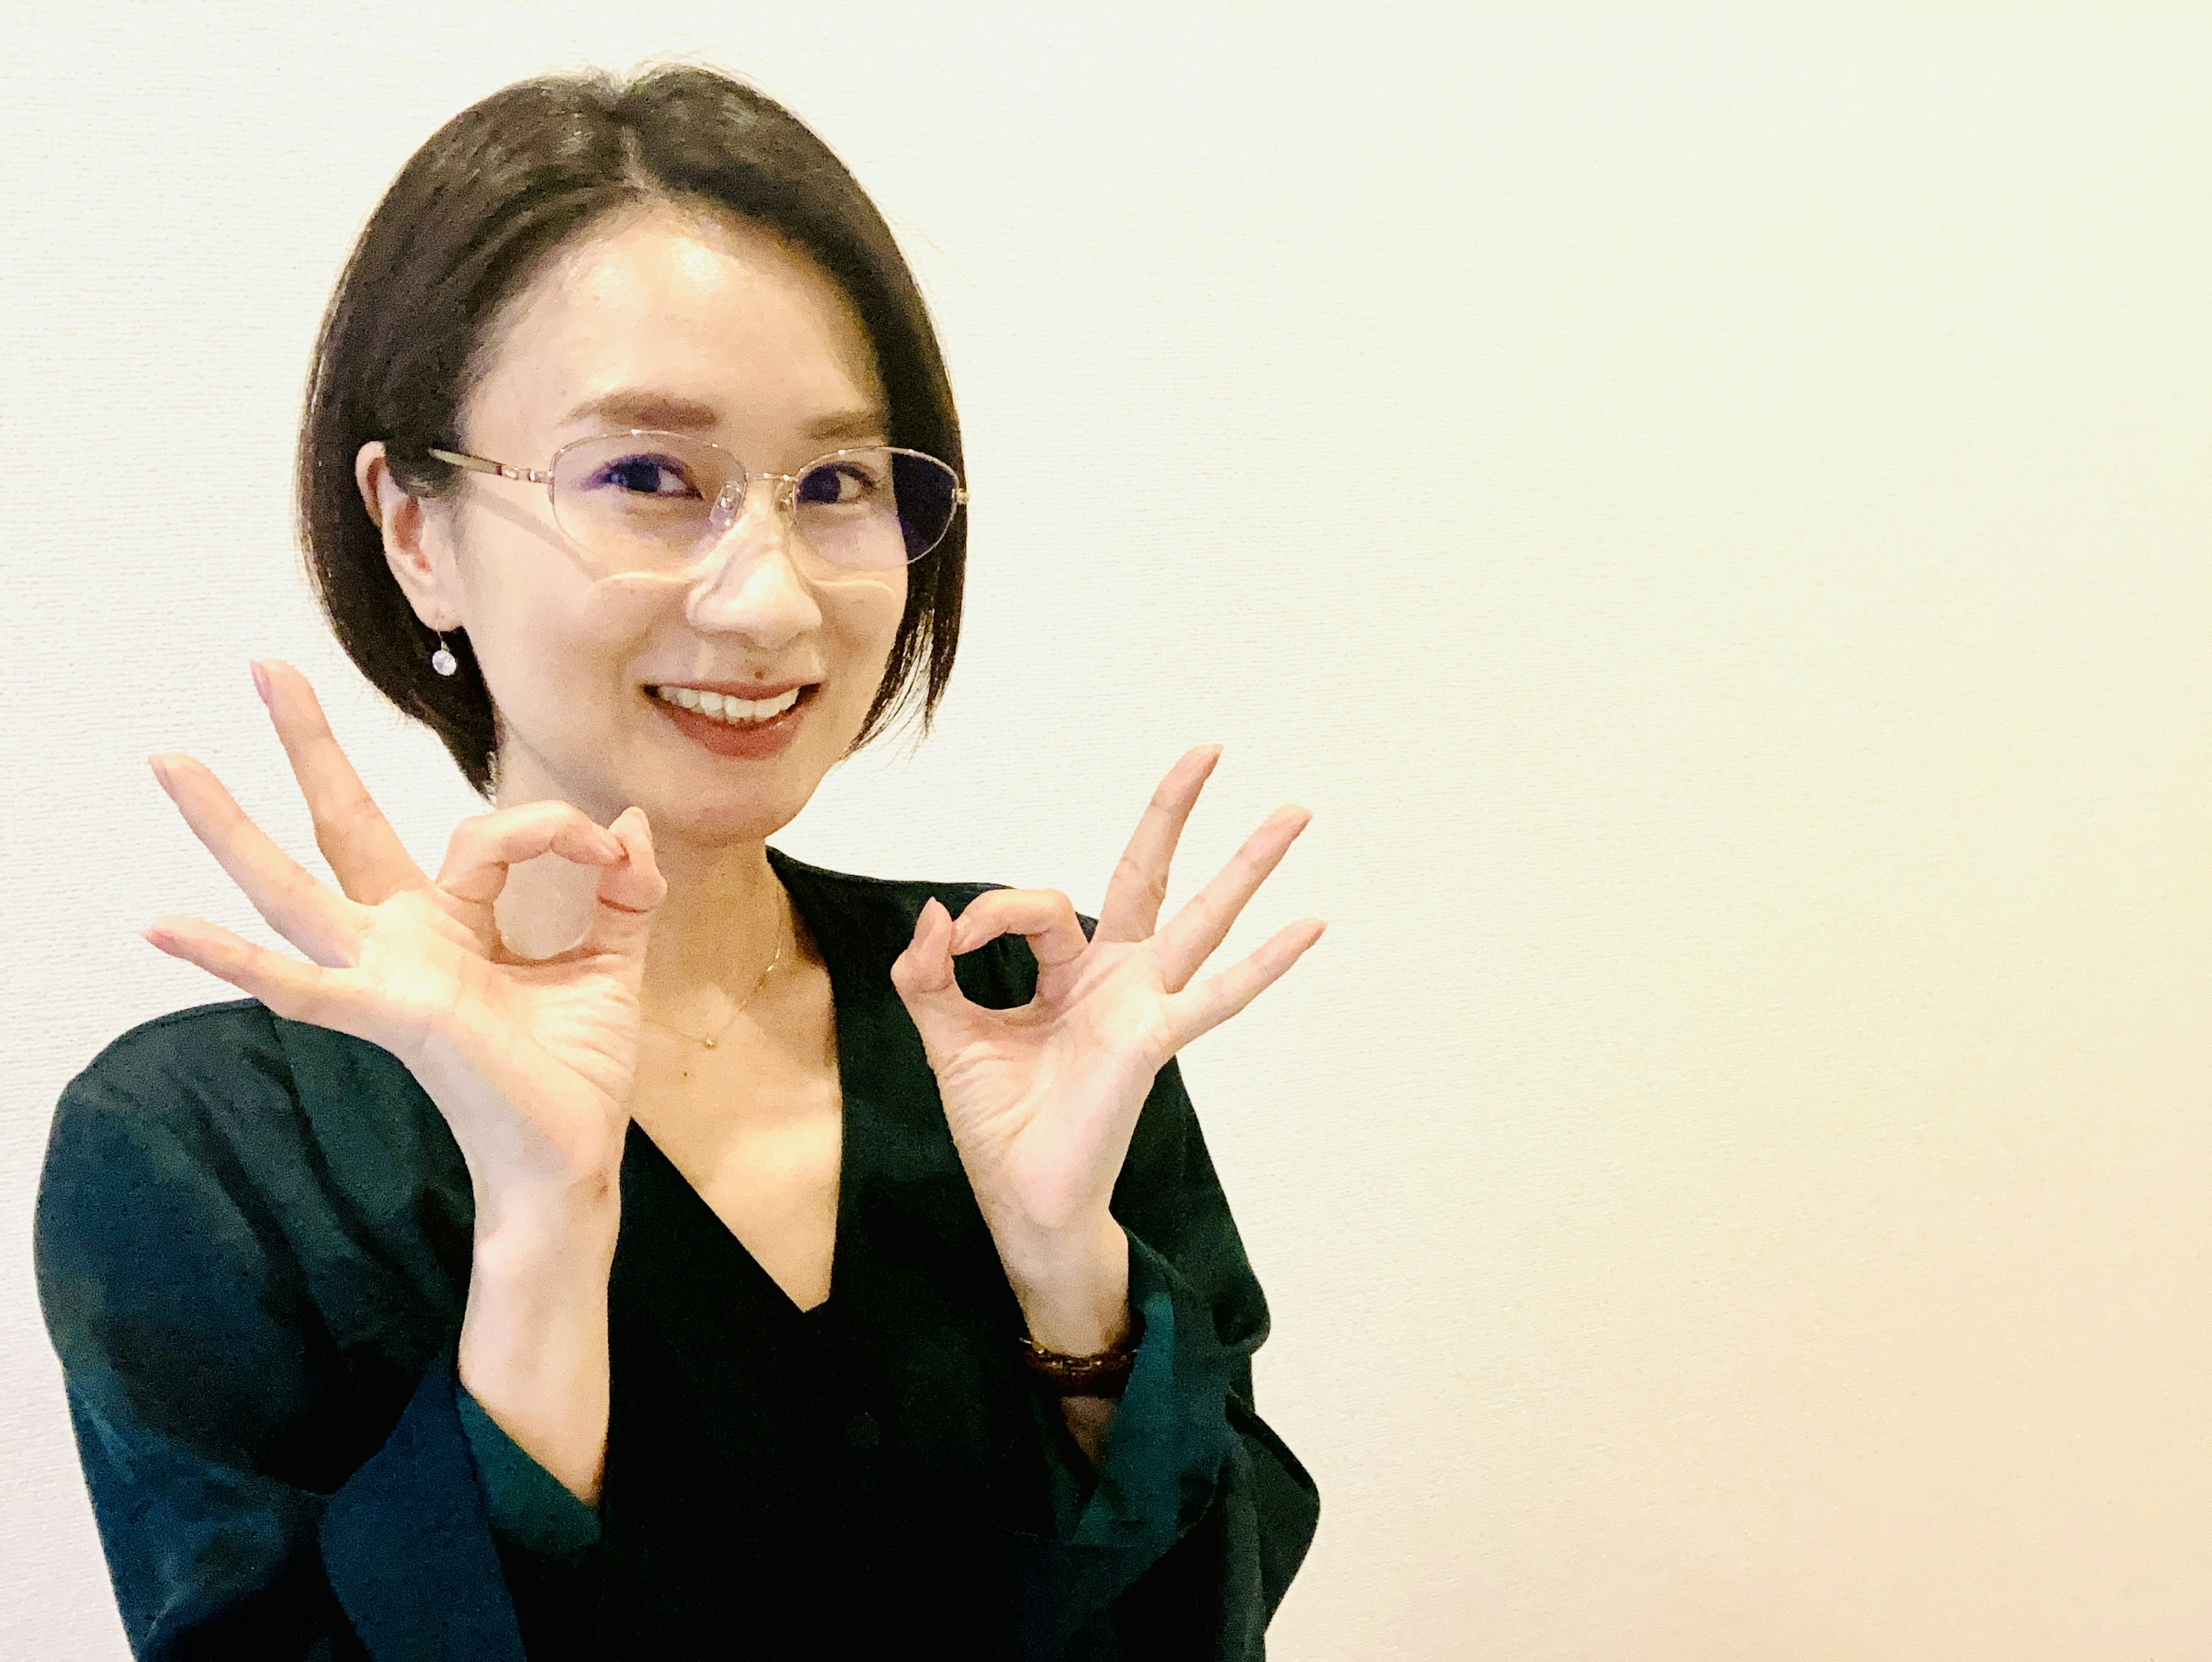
795 1264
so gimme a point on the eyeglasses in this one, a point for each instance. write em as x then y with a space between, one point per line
648 502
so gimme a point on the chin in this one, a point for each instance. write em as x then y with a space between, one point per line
733 813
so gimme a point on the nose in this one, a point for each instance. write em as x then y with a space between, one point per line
749 580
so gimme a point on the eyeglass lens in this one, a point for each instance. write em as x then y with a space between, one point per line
646 501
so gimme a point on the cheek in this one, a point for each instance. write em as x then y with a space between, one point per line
868 628
550 648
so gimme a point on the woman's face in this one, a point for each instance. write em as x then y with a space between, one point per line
671 319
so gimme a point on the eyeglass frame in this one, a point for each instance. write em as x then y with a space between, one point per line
785 483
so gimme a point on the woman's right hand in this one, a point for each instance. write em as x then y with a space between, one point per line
530 1061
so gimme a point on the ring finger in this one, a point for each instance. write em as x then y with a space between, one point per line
321 922
1190 937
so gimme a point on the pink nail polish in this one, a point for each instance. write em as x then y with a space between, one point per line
260 681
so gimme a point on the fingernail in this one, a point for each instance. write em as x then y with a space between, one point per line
160 770
260 680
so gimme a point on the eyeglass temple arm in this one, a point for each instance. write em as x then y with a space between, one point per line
482 465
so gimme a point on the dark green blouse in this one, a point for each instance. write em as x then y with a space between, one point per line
253 1247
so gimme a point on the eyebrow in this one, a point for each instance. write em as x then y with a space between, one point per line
850 424
638 406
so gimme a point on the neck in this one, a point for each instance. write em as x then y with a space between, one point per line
721 925
724 919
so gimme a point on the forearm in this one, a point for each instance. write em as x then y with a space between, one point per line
1074 1296
1088 1418
533 1349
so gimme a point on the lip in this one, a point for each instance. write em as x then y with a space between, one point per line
754 742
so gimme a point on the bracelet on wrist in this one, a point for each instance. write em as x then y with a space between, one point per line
1102 1373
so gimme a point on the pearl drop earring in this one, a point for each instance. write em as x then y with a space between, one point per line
442 660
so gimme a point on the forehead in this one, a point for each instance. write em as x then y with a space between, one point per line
698 305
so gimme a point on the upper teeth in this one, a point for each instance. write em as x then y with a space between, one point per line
723 708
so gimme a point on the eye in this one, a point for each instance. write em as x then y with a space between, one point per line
848 482
643 475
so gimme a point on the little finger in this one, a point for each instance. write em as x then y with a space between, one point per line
321 922
296 991
1205 1006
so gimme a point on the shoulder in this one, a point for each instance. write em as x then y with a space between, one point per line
164 1240
181 1070
142 1173
222 1157
223 1102
230 1026
233 1071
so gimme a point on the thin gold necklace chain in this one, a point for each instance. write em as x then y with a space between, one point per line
747 999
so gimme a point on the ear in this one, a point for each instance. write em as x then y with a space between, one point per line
417 544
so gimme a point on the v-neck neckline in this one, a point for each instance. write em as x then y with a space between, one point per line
640 1146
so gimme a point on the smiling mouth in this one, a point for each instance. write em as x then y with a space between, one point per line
732 712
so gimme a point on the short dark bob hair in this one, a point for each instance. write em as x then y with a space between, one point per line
473 215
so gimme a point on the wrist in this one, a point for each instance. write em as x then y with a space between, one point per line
1072 1286
525 1224
533 1348
541 1271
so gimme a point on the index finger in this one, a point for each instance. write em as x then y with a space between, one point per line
365 854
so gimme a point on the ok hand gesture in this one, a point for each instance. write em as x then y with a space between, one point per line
1042 1100
528 1062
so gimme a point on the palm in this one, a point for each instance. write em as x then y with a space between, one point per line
578 1017
441 957
1042 1099
530 1061
1034 1095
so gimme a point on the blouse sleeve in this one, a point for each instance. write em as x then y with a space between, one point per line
530 1508
248 1503
1182 1542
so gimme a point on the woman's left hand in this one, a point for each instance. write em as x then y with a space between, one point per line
1042 1099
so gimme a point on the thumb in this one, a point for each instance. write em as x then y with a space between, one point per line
628 891
923 972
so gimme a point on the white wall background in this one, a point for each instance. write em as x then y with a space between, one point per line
1731 1183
